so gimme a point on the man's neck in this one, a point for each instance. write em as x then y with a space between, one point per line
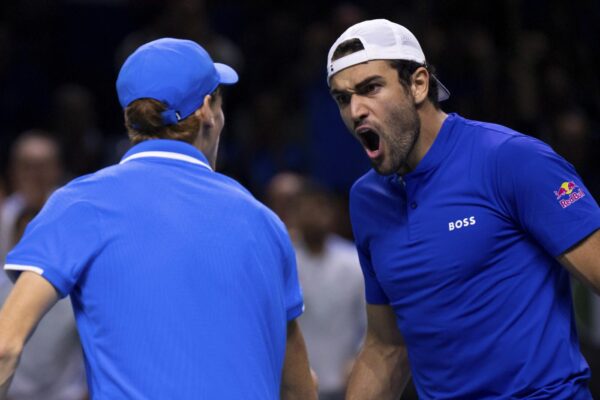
431 123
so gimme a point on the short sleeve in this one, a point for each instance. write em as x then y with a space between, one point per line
373 291
293 292
544 194
294 301
58 243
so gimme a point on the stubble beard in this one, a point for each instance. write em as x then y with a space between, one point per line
404 127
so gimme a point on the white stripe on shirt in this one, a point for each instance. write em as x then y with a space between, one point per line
166 154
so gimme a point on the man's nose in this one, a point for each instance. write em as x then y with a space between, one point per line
358 108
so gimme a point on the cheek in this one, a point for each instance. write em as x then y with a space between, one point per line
221 118
347 120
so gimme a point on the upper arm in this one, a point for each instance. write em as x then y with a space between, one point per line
583 260
296 380
31 297
543 194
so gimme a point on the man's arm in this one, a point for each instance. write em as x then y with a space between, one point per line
583 261
296 381
31 297
381 370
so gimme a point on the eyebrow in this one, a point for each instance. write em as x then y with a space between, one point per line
360 85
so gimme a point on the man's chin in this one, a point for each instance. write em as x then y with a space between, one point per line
389 168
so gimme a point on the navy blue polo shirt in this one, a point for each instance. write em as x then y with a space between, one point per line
464 250
182 283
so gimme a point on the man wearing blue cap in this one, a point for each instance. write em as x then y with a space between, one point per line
183 285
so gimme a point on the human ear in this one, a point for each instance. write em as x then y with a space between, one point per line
205 113
420 85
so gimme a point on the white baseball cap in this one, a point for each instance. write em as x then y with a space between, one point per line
382 40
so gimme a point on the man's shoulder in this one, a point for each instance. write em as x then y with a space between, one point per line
245 200
84 187
500 145
487 134
234 188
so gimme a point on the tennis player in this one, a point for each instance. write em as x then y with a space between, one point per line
466 232
183 285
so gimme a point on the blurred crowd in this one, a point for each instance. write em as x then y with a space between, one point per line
531 65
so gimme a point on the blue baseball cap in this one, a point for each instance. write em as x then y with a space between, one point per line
177 72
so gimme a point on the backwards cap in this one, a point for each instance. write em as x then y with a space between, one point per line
178 73
382 40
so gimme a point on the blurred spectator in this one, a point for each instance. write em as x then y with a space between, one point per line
35 171
281 195
333 323
51 366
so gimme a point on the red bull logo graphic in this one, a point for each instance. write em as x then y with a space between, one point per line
568 193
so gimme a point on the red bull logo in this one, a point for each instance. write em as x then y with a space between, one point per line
568 193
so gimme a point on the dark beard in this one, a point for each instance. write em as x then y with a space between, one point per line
405 129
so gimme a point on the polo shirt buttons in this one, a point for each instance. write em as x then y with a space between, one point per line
413 205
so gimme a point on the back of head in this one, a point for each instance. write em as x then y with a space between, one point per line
162 84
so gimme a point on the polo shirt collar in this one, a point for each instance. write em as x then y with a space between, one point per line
439 149
169 149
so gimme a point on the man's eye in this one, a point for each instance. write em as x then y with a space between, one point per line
371 88
342 99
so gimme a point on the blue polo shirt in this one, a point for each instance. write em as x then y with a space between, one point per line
464 250
182 283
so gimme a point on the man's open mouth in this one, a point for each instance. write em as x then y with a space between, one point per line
369 139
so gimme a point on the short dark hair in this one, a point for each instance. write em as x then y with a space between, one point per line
405 68
348 47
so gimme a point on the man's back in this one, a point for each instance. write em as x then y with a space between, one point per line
179 278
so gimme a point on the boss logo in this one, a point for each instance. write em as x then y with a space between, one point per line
461 223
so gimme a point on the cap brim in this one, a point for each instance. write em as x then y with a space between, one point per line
227 75
443 92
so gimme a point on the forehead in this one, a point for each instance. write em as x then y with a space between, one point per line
348 78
